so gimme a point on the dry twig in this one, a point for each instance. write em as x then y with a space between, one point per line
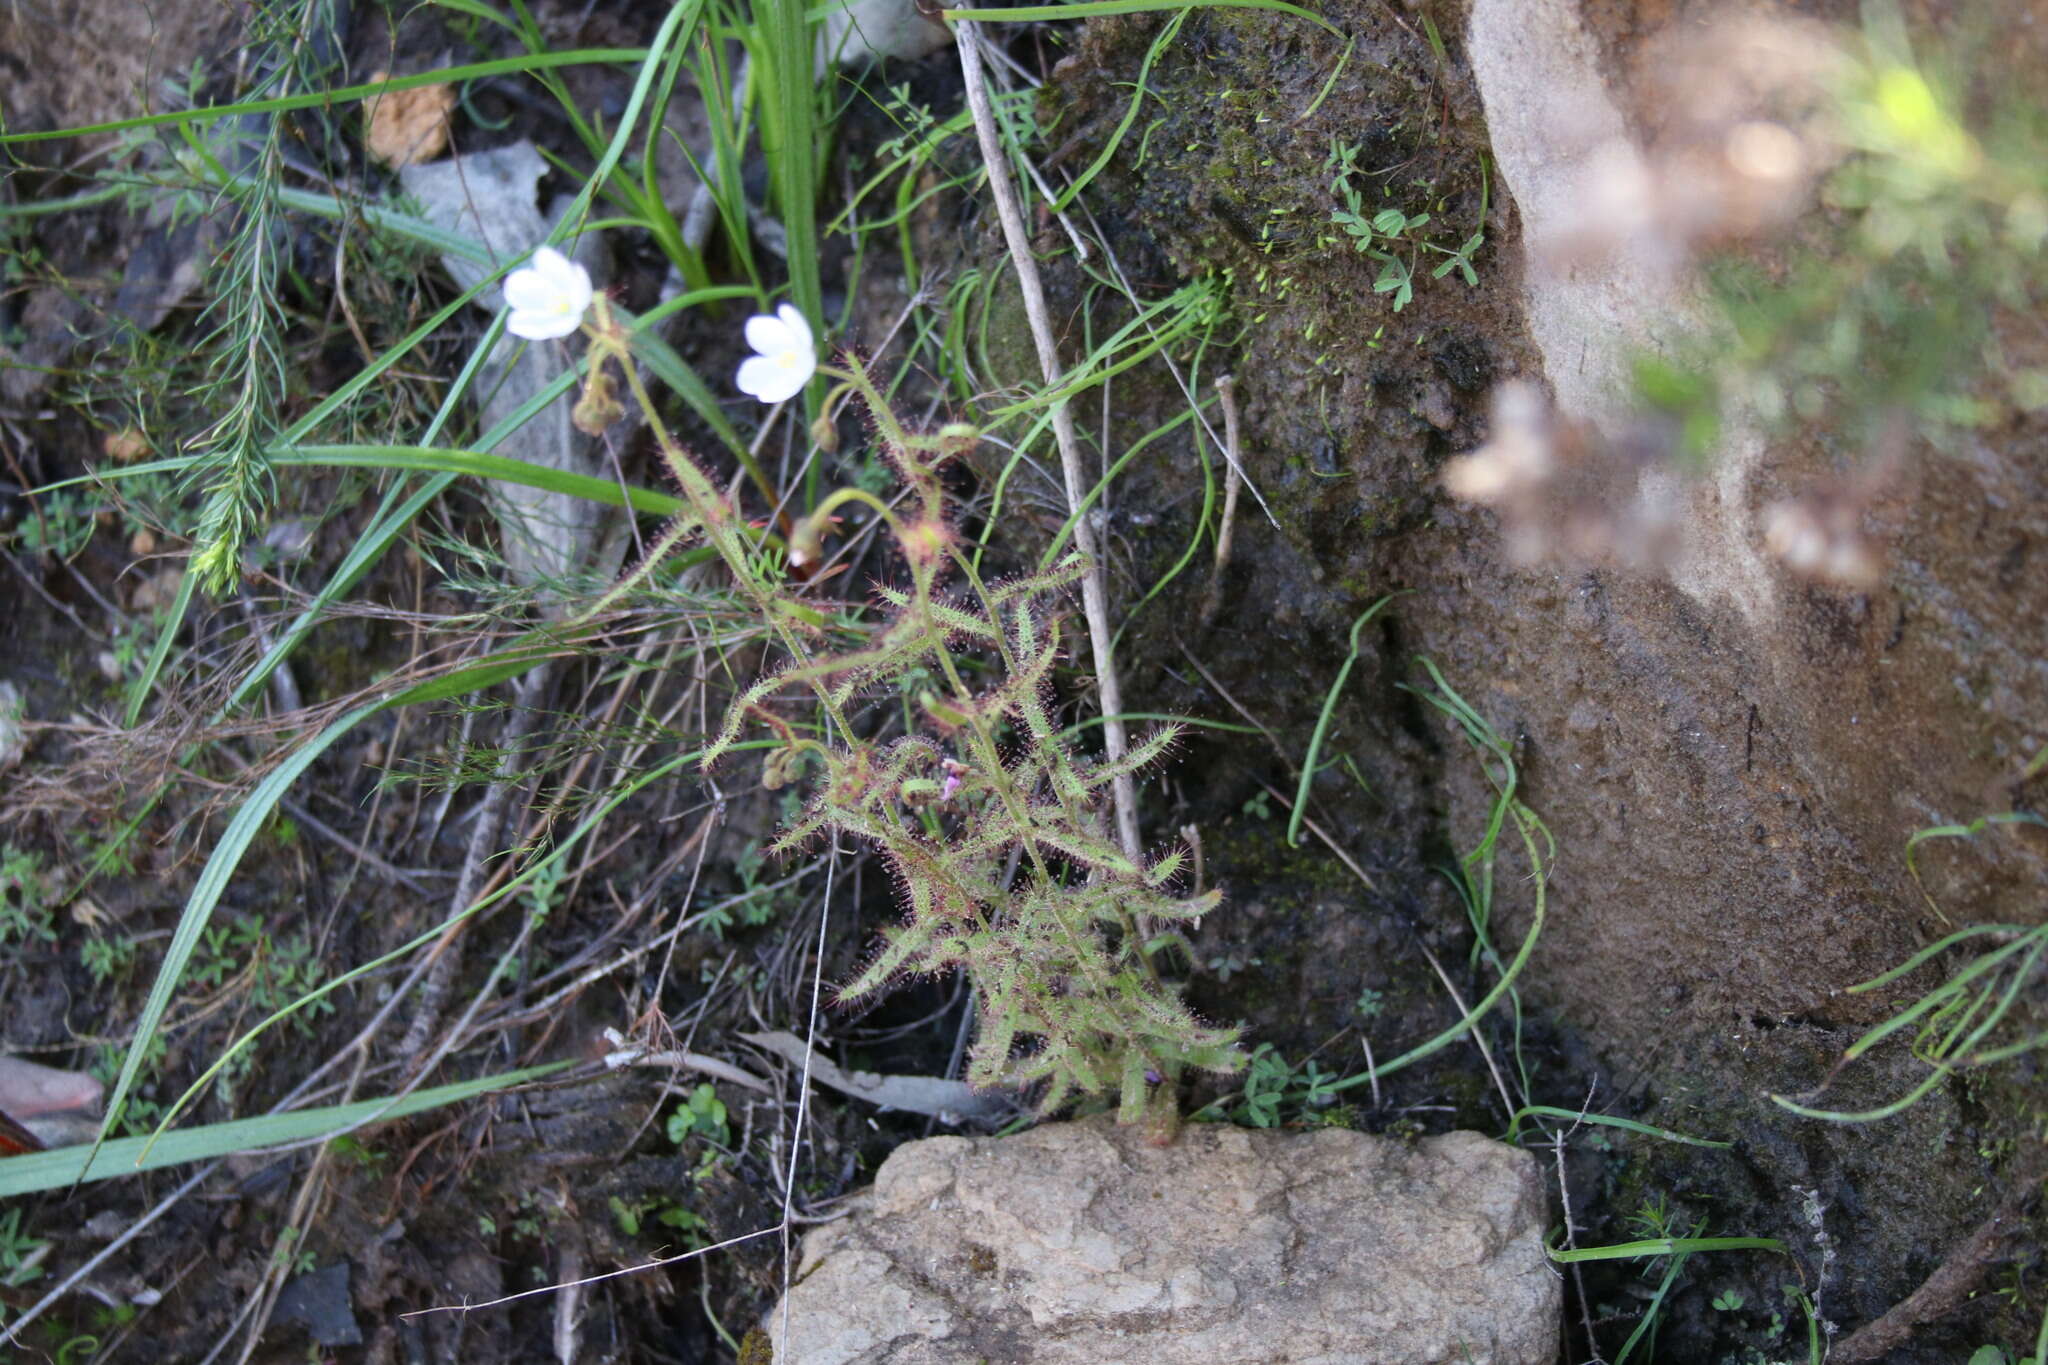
1233 479
1094 601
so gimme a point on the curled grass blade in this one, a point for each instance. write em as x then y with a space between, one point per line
1551 1111
1537 845
1980 1014
1525 824
1969 831
1140 89
1315 739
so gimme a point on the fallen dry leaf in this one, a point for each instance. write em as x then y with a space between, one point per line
28 1090
126 445
407 127
159 589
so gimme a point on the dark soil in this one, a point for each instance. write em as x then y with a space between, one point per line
1730 805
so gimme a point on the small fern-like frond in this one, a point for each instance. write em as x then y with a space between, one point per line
1050 828
1166 866
1136 759
736 717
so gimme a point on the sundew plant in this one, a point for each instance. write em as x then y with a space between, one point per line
993 825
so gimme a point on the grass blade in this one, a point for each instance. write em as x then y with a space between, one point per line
321 99
80 1165
1315 739
1664 1246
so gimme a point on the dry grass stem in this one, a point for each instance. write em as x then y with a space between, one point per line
1233 479
1094 600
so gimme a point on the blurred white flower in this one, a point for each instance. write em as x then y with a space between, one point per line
1820 537
787 356
548 297
1517 460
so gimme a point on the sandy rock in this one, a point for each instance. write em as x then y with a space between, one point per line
491 198
1076 1242
407 127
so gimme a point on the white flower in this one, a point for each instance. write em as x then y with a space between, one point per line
548 297
788 357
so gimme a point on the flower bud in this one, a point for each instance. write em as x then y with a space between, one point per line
958 438
806 544
598 408
926 541
825 434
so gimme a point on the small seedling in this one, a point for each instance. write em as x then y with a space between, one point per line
1229 964
702 1116
26 892
1392 236
105 957
20 1258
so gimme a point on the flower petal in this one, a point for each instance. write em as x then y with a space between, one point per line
573 280
768 335
770 379
554 266
542 324
787 356
800 338
530 291
548 297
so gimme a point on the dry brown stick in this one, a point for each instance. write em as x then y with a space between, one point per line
569 1269
1571 1229
448 959
263 1299
1094 601
1955 1279
1226 394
